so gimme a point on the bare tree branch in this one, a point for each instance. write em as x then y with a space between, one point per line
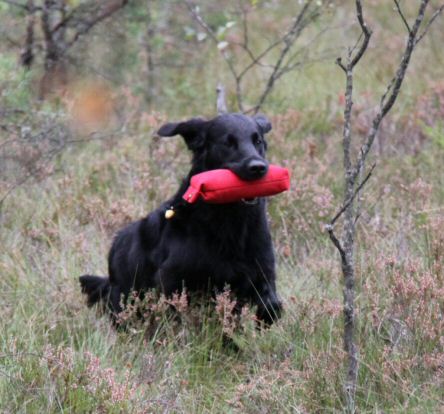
289 40
282 64
340 64
27 53
221 104
103 12
430 22
394 88
355 193
398 7
55 22
336 241
22 5
49 138
367 34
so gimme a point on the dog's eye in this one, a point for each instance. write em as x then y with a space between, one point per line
231 142
256 139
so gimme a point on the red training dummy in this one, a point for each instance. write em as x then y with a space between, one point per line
223 186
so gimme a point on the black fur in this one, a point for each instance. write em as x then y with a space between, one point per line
204 246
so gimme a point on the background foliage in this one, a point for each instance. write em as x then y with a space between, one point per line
78 160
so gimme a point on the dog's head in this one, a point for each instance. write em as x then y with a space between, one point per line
232 141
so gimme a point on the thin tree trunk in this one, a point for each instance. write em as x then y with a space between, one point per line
150 32
354 171
27 53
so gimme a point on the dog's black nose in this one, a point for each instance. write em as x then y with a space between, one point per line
257 168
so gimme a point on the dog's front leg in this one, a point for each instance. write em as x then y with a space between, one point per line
269 306
168 281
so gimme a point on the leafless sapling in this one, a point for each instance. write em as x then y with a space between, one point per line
354 167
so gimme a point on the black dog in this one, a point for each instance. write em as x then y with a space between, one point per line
203 246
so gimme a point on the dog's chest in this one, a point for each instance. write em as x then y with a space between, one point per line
226 241
208 242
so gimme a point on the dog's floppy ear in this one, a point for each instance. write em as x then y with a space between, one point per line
263 123
193 131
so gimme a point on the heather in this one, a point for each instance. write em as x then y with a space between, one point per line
73 176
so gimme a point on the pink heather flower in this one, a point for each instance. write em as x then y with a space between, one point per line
224 310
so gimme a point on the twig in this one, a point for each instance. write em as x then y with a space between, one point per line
198 18
429 23
10 190
221 105
398 7
367 34
58 147
340 64
335 241
355 193
107 10
289 40
277 69
393 89
22 6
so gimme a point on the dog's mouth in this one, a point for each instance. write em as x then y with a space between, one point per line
250 201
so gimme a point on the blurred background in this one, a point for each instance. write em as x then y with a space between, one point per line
84 85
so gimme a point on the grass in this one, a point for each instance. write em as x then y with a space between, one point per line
58 356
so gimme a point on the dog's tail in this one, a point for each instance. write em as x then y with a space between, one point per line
96 288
